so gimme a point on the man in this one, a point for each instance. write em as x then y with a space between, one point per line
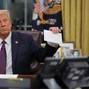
20 48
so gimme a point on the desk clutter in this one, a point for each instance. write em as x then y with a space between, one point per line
67 50
74 72
68 74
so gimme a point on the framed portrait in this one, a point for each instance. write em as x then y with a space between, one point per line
76 53
66 48
68 45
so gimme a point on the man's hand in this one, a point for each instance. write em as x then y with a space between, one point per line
55 29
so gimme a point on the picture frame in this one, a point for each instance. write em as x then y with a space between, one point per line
76 53
66 48
68 45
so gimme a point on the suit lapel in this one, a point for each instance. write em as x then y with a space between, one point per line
15 47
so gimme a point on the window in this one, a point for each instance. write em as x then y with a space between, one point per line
21 12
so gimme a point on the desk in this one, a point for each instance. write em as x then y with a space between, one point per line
22 82
15 83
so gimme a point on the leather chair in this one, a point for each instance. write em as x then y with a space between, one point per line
37 36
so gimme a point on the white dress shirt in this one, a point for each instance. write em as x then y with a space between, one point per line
8 53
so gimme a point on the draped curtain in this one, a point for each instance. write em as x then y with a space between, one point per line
76 23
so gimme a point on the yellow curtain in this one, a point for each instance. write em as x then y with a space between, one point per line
76 23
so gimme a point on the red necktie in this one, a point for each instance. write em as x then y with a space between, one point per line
3 58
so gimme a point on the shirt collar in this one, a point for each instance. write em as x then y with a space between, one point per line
8 39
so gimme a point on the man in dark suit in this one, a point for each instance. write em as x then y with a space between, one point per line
20 48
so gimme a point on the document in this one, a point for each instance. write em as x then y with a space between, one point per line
49 36
8 76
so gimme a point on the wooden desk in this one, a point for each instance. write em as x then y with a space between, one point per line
22 82
18 83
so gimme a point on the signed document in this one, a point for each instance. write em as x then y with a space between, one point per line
49 36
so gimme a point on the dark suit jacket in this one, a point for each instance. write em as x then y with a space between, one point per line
24 51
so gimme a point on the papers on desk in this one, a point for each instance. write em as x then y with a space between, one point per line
49 36
8 76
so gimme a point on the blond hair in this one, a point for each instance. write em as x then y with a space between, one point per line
5 12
